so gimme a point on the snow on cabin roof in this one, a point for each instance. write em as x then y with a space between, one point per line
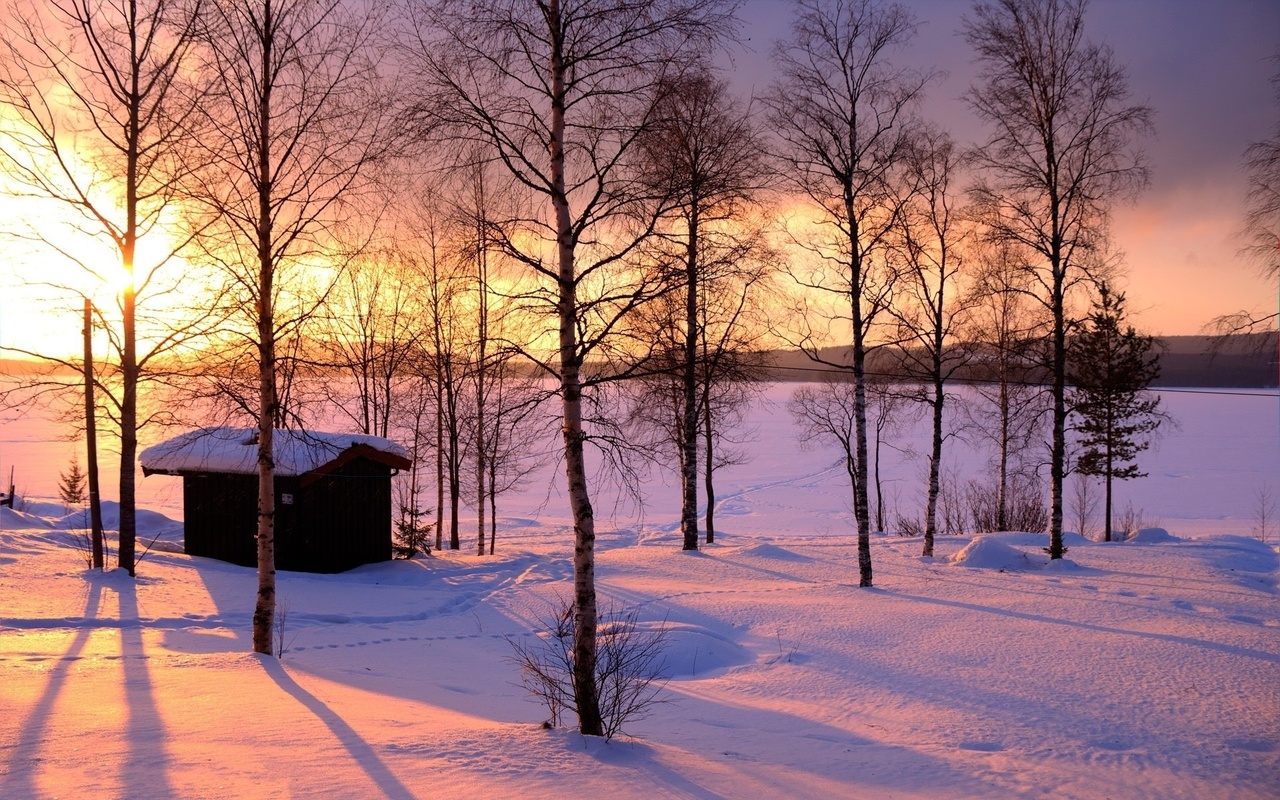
235 450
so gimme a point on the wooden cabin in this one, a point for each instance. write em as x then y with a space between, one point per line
333 495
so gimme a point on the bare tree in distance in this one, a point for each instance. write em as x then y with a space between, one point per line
705 158
933 307
501 399
97 128
732 337
369 333
446 360
845 116
1261 233
294 126
1059 155
481 256
427 256
1006 334
559 92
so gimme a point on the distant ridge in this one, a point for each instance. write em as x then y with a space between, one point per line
1239 361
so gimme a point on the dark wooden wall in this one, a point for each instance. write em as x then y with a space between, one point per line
336 521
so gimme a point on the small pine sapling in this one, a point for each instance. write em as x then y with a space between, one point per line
412 531
71 485
72 492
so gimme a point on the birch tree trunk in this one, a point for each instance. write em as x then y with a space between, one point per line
265 606
845 114
584 525
689 387
293 126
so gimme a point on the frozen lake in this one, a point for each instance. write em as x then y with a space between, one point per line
1204 473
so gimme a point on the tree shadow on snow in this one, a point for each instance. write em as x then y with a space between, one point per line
1092 627
23 764
818 759
145 771
355 744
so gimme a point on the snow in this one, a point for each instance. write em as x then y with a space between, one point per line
235 451
1141 669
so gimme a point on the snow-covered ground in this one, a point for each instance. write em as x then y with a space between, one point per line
1149 668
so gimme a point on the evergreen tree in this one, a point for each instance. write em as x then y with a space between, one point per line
71 484
1112 366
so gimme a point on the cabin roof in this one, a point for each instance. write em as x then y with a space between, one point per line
235 451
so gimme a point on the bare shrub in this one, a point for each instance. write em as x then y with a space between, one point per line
629 664
1084 505
979 507
909 526
280 627
952 516
1264 512
1024 507
1130 521
83 539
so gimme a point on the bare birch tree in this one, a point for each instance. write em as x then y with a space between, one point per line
933 306
294 127
1006 336
705 158
96 124
1060 153
844 114
559 91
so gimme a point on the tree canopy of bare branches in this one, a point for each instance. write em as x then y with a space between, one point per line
1261 222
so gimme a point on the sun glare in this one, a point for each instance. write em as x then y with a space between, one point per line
53 261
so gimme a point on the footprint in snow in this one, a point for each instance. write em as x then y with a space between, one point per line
1246 620
1254 745
1186 606
982 747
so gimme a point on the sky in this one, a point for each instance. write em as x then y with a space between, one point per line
1204 67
